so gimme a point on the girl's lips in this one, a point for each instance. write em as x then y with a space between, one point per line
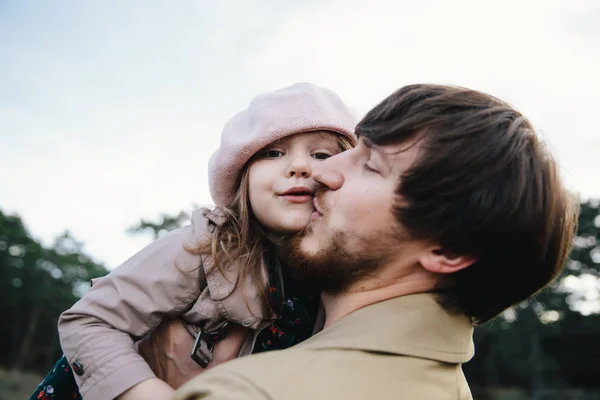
299 199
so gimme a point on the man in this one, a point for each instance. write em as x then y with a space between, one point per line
448 211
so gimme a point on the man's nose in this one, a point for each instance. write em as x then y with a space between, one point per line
328 172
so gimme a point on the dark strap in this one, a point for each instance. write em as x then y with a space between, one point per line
275 285
205 341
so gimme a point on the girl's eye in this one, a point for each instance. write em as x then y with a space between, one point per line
321 156
369 169
272 154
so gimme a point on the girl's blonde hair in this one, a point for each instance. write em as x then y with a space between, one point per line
241 238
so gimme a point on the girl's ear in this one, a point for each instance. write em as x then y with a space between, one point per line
438 261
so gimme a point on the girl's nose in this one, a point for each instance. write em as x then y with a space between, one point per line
299 167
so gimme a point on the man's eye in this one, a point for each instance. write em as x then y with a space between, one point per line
369 169
321 156
272 154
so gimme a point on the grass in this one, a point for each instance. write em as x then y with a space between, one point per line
549 394
17 385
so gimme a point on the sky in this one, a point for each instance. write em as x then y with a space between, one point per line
109 110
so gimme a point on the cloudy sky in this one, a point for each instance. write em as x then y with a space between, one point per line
109 110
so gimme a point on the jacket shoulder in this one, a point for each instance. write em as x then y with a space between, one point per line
349 374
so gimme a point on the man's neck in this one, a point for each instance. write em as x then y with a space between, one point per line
339 305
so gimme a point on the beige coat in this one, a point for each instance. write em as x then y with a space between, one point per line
407 348
98 333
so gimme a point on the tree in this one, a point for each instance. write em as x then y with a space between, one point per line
36 285
546 342
162 226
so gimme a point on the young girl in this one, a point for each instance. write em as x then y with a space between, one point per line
226 267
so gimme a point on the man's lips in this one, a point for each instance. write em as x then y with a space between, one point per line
317 214
316 205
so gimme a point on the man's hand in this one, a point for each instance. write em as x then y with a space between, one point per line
167 351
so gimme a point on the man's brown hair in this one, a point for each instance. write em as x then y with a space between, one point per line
483 185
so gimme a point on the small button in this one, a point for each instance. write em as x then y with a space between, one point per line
77 368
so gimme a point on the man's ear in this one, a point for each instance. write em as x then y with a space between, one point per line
439 261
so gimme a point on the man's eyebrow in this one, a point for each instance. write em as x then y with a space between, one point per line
373 148
367 142
380 157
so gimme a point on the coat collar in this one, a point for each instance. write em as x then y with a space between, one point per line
236 299
414 325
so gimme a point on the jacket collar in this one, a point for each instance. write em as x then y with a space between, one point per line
217 216
414 325
236 299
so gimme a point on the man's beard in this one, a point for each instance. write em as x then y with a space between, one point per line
333 269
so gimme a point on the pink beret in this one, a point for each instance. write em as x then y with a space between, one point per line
302 107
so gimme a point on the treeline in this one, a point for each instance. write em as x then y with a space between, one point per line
37 283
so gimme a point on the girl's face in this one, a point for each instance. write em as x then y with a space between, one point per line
280 184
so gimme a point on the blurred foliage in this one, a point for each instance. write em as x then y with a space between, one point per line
36 284
546 342
162 226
